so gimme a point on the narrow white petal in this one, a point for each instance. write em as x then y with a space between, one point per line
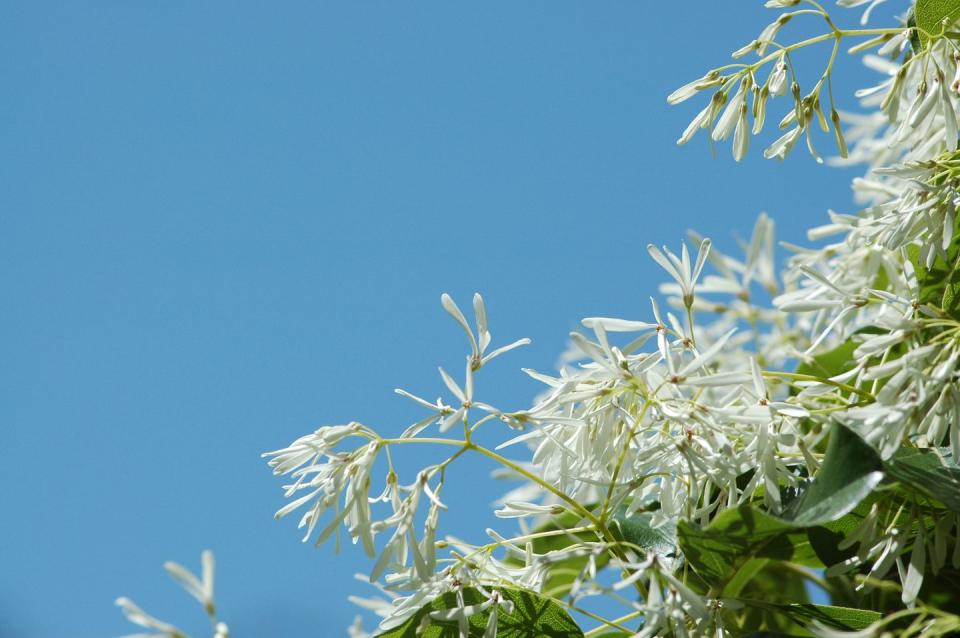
452 385
451 307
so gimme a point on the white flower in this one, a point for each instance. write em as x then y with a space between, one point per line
462 614
769 33
680 268
609 324
403 544
821 630
670 419
514 509
777 81
310 447
200 588
692 88
139 617
728 119
914 576
702 120
343 475
948 112
741 135
445 415
783 145
847 4
480 341
753 45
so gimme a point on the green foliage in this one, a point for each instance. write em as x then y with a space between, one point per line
930 14
940 284
830 363
940 590
755 557
929 472
738 542
729 552
775 583
914 37
745 553
533 617
843 618
850 471
825 539
637 529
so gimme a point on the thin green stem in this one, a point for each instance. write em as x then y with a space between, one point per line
809 377
620 459
616 622
434 441
530 476
600 526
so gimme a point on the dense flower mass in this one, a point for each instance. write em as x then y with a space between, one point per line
749 409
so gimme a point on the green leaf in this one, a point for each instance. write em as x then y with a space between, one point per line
737 544
950 301
533 617
637 529
930 472
940 590
826 539
914 37
851 470
929 15
776 583
844 618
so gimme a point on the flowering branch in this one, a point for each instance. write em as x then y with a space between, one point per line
714 456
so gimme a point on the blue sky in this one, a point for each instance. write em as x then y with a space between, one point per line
225 224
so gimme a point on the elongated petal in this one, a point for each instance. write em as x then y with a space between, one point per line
703 359
451 307
504 349
186 579
452 385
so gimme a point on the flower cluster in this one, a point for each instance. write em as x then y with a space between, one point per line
699 408
924 85
719 403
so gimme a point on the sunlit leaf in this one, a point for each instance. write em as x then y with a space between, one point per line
844 618
930 14
851 470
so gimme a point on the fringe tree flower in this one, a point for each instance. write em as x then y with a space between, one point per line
199 588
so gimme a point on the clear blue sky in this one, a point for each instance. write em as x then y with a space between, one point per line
224 224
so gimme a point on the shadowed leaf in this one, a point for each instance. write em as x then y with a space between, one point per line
533 617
